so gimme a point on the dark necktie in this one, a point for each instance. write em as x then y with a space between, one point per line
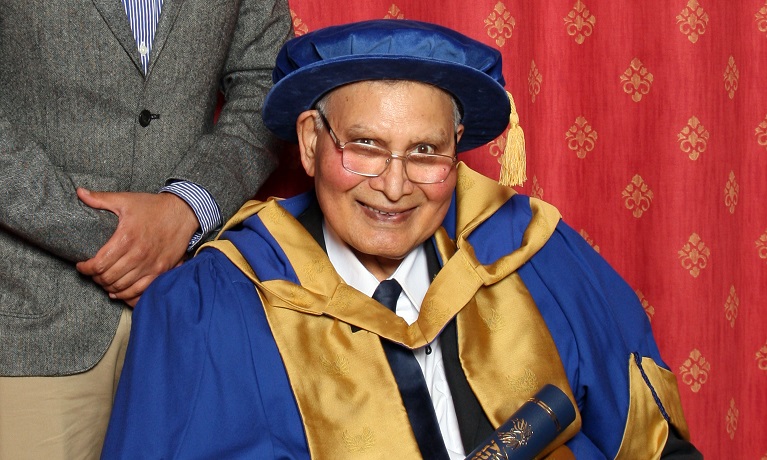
412 386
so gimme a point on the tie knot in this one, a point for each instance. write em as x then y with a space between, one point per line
387 294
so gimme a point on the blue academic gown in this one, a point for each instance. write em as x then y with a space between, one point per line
203 377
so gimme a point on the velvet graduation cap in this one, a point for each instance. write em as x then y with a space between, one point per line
313 64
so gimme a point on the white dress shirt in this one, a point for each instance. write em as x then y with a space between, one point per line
413 275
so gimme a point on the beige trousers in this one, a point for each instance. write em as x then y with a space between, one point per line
61 418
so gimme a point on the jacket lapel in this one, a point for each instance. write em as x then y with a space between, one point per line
113 13
170 11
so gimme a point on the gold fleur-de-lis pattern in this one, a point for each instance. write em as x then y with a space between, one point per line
646 125
394 13
500 24
693 138
692 21
695 371
496 147
580 23
534 80
637 196
581 137
636 80
694 255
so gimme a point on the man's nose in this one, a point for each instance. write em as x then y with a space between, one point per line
394 182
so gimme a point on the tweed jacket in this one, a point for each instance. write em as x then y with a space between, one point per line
71 97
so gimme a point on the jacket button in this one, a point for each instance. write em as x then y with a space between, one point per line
146 117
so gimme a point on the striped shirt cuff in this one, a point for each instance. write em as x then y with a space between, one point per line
203 205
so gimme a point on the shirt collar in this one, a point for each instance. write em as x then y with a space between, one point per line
412 273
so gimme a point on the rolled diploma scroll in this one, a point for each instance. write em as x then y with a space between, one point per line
530 429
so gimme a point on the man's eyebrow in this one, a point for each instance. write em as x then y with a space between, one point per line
438 139
358 130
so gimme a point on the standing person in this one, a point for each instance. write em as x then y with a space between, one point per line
104 104
404 308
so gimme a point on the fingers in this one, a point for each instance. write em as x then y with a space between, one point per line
133 292
118 277
118 244
109 201
86 196
131 268
107 257
152 237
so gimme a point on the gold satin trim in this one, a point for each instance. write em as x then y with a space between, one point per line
503 326
347 396
646 430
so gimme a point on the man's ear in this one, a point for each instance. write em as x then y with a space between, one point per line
458 133
306 128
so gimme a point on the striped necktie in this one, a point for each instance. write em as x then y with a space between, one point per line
143 16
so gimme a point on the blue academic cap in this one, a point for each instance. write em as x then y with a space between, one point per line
313 64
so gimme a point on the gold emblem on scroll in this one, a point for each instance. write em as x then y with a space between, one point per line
516 437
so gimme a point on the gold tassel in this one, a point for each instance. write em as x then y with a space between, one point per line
513 164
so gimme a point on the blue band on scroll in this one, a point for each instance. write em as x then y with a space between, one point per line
530 429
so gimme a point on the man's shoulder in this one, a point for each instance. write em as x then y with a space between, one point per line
201 280
209 260
520 223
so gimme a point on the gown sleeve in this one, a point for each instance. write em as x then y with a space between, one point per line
202 376
627 396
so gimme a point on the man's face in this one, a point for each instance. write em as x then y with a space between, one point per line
381 218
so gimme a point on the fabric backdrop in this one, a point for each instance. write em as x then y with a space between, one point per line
646 125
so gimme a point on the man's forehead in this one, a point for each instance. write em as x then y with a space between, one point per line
406 99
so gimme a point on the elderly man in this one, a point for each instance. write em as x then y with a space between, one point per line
295 334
